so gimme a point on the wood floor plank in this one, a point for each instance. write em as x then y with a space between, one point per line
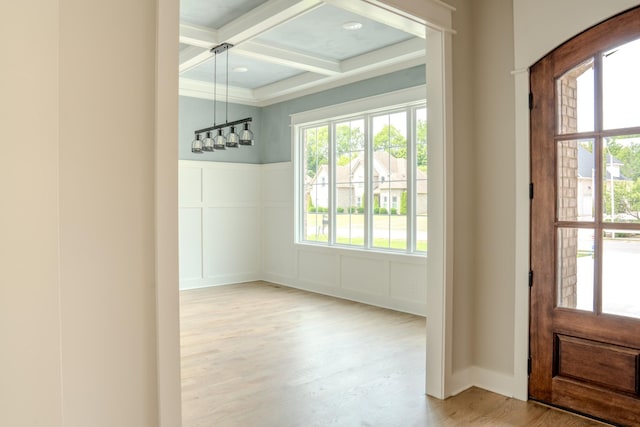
257 354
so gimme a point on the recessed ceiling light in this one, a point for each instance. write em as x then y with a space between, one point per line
352 25
240 69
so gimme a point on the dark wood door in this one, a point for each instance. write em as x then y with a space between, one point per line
585 223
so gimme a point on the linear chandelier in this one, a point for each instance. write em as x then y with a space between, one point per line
220 141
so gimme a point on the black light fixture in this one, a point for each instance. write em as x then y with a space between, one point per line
220 141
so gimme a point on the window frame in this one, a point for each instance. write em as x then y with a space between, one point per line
410 100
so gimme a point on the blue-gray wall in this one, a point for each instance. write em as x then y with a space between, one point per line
271 124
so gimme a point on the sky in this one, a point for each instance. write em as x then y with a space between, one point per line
621 90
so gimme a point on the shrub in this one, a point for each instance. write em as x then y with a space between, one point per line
376 211
312 209
353 209
394 211
403 203
383 211
360 210
340 210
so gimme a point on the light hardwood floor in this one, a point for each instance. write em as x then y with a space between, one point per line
261 355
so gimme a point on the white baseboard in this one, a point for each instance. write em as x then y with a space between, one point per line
486 379
382 301
219 280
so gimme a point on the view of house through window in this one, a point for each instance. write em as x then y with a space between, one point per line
598 182
363 180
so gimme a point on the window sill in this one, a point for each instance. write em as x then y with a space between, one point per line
411 258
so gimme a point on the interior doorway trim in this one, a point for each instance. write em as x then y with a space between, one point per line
439 286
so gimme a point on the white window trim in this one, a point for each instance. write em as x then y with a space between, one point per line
402 100
386 101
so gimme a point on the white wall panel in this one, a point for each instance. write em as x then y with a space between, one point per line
279 254
231 243
220 232
407 281
190 243
229 183
190 182
245 231
277 183
316 268
364 275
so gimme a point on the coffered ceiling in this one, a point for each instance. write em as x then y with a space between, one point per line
288 48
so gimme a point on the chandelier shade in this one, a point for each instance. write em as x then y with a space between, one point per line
220 141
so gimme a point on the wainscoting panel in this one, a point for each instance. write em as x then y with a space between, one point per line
364 275
408 281
237 225
190 185
231 244
318 269
190 243
231 184
220 223
278 253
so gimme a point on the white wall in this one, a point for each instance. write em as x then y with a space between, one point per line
220 218
236 224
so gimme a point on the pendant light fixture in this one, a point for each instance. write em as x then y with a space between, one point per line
220 141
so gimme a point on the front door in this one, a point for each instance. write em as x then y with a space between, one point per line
585 223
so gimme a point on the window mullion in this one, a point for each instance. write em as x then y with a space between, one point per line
411 181
368 188
332 183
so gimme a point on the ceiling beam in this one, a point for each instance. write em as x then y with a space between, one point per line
289 85
287 57
204 90
382 15
249 26
263 18
266 96
191 57
195 35
399 52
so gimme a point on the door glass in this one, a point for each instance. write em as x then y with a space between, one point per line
621 86
621 179
621 273
575 255
575 97
575 180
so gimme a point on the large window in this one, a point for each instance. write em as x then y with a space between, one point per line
362 179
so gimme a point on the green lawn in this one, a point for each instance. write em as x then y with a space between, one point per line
350 230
